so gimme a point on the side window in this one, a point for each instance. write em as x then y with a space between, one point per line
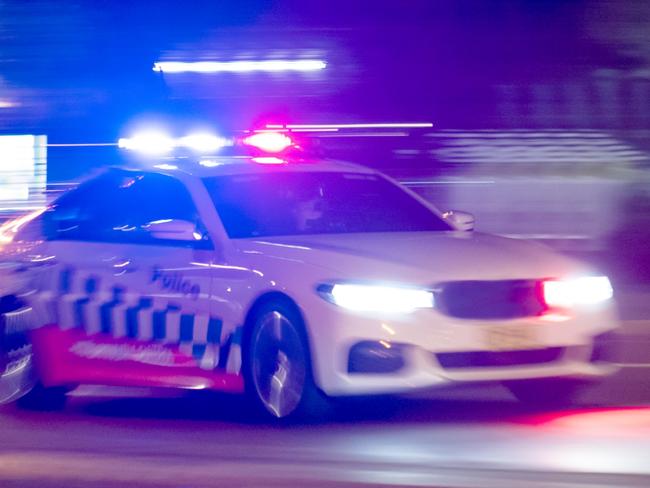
153 199
82 214
121 206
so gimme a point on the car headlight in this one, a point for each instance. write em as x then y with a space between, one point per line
377 298
587 290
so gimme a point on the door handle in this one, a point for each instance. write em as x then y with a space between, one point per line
35 264
122 266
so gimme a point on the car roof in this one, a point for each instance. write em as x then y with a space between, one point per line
235 165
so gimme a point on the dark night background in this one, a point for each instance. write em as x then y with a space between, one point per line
531 74
80 70
541 129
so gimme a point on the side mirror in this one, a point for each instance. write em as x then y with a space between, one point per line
174 230
463 221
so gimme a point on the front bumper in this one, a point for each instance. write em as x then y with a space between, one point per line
355 353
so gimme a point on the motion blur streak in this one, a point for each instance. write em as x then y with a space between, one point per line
397 125
239 66
148 143
23 172
10 228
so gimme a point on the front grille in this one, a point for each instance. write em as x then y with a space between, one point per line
506 299
495 359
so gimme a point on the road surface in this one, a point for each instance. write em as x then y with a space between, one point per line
475 436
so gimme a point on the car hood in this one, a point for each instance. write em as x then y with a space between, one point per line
417 256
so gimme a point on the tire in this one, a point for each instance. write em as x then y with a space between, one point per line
41 398
277 366
20 383
546 393
17 372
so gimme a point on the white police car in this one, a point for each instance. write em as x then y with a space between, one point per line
285 280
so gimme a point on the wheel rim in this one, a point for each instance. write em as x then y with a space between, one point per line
278 364
17 372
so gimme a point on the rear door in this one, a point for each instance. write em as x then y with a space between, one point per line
125 303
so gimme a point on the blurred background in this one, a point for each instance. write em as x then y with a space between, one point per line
533 115
539 111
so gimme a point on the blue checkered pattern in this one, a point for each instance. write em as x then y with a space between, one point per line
73 301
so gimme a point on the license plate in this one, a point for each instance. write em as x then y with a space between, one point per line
510 338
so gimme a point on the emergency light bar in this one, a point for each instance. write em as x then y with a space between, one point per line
273 139
158 143
153 143
203 143
271 142
148 143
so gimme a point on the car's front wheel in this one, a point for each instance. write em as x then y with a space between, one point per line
277 363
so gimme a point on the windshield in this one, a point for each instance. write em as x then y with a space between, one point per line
292 203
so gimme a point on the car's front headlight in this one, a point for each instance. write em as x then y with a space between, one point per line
377 298
586 290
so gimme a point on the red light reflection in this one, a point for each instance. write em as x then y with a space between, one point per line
622 421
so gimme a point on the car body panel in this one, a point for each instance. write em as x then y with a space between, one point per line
160 315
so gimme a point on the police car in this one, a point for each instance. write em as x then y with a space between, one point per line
289 280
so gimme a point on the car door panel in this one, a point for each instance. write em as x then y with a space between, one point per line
121 302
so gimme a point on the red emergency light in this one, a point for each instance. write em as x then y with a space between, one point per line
269 142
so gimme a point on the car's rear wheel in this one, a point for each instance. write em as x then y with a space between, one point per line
277 363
